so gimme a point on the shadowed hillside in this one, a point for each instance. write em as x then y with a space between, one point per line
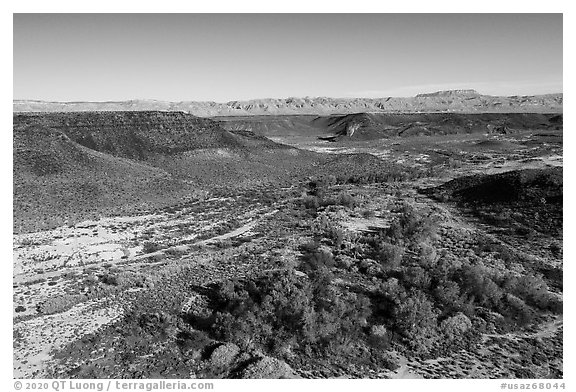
522 199
82 165
57 180
369 126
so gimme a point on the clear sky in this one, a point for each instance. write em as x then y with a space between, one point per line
223 57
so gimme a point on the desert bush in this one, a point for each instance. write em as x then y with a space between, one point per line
416 320
192 343
109 278
124 279
411 227
379 337
346 200
311 202
555 249
516 310
475 281
318 187
447 264
427 255
449 298
60 303
369 175
344 262
309 246
534 291
158 324
416 276
280 313
323 227
150 247
317 259
367 214
389 255
454 327
388 296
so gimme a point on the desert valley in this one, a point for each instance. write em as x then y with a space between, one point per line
289 238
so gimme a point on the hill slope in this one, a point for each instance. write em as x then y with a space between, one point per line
73 166
57 180
528 200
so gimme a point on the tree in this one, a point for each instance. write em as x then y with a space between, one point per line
416 320
454 327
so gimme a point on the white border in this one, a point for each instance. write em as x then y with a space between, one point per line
357 6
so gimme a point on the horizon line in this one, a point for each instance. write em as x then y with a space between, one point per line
277 98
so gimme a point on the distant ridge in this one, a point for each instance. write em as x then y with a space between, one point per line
451 93
452 101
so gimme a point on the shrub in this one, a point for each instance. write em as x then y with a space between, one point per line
389 256
410 227
415 319
324 227
60 303
379 337
346 200
158 324
454 327
517 310
534 291
311 202
111 279
427 256
281 312
192 343
317 187
416 276
448 296
555 249
125 279
344 262
393 291
150 247
315 257
480 286
366 214
309 246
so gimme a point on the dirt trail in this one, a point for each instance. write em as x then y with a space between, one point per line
545 330
236 232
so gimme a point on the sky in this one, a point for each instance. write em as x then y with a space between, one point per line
225 57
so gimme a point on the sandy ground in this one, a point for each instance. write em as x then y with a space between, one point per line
40 336
51 264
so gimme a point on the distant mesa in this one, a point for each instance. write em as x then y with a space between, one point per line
451 93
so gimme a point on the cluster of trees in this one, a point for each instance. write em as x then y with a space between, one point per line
357 173
415 295
283 313
430 299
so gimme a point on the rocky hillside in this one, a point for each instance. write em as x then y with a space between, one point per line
75 166
139 135
524 200
457 101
